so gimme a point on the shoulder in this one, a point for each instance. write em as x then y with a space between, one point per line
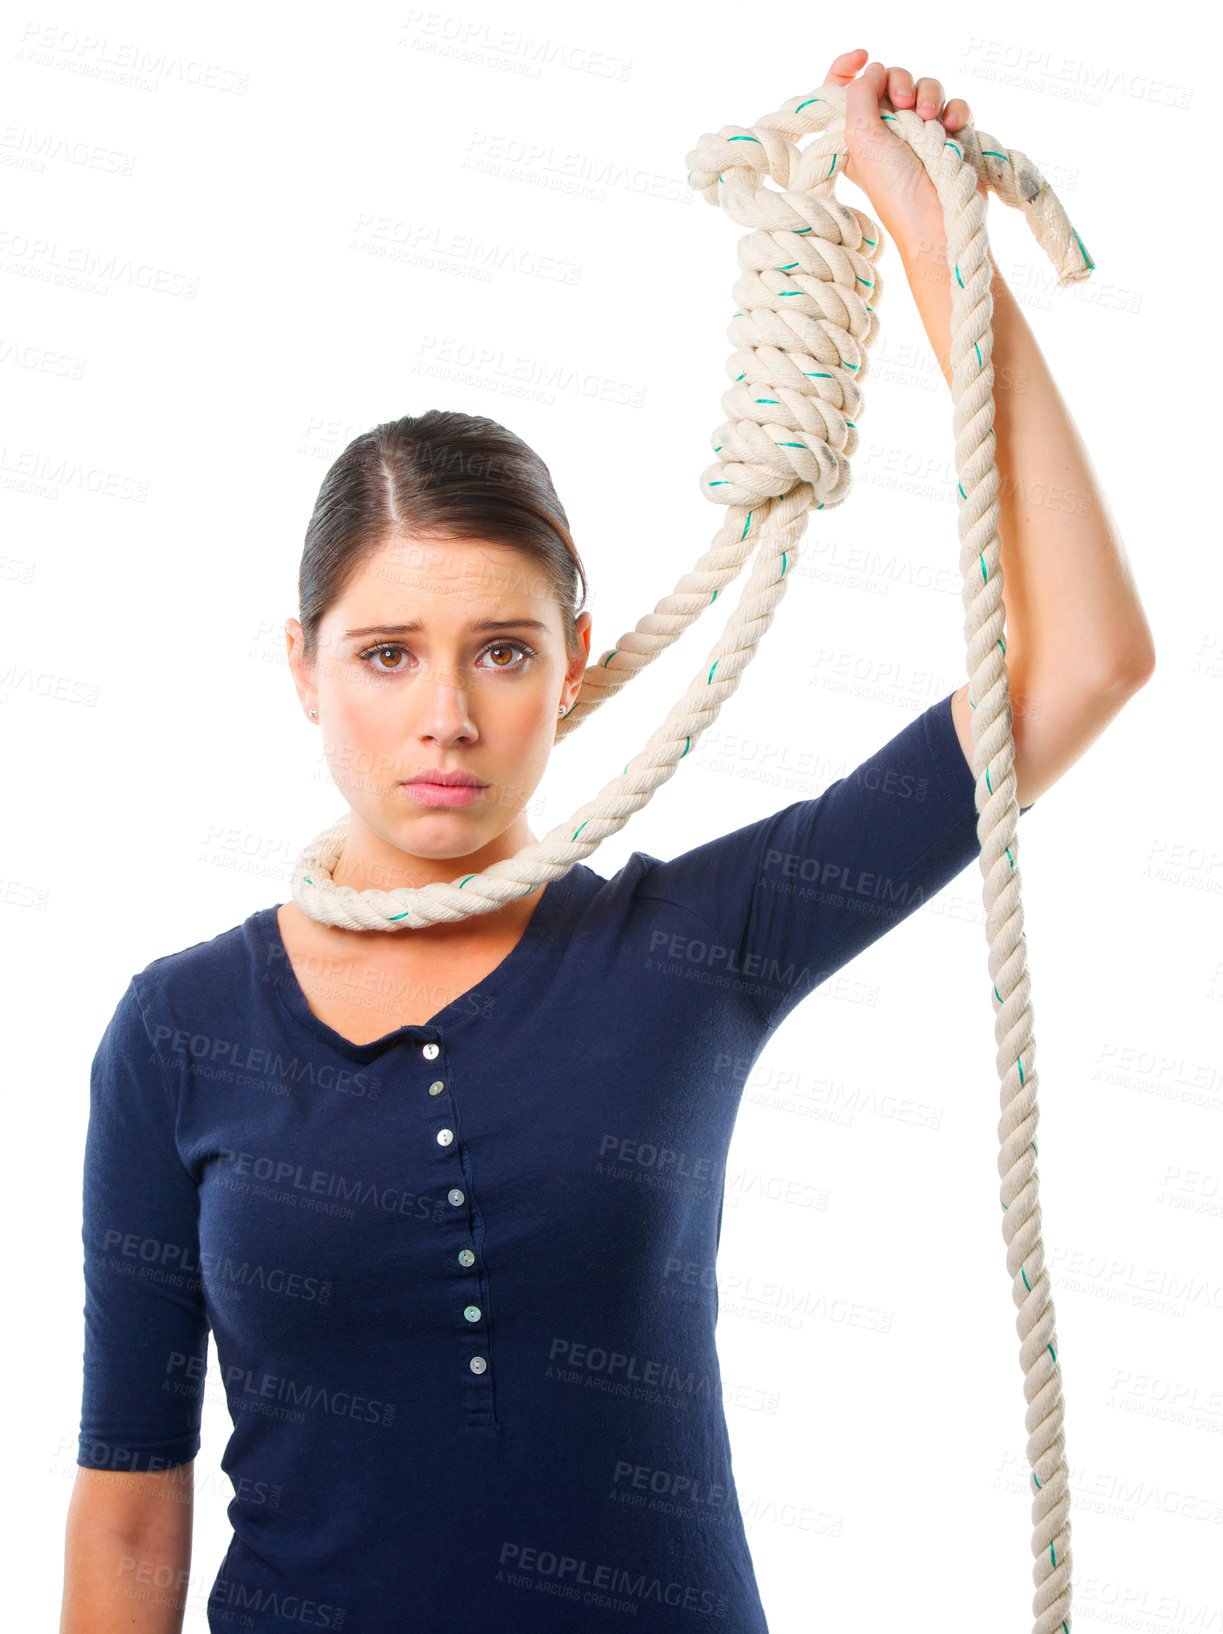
203 980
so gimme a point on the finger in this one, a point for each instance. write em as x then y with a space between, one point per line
900 87
929 98
845 67
957 114
862 96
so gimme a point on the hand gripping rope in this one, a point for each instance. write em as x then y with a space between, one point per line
796 395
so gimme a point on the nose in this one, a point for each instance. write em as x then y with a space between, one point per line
441 706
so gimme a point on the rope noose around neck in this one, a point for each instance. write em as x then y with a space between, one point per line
802 330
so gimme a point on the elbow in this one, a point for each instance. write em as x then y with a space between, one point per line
1130 670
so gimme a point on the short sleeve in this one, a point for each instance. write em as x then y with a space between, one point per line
146 1331
797 895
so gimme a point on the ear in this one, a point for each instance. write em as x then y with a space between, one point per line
300 667
583 625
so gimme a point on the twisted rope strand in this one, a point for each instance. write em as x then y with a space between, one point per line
807 295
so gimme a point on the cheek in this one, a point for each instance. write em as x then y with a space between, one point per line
361 709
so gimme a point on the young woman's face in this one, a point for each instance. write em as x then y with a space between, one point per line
411 678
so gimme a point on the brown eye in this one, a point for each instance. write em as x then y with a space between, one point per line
502 646
367 658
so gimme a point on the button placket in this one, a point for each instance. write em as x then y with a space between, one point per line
472 1313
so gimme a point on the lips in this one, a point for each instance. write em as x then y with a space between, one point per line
449 780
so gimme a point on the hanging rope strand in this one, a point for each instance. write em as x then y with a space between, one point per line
807 299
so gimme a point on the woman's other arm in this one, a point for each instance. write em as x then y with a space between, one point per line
127 1552
1078 644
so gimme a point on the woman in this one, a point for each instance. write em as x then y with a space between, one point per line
450 1200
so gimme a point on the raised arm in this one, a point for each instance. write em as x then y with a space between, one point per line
1078 644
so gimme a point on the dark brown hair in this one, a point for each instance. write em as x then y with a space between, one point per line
438 475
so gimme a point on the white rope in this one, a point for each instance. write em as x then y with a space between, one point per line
807 296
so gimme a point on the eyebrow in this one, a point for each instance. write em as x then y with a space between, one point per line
416 627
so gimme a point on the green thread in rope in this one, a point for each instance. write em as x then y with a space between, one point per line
766 399
1010 859
1002 644
984 574
997 994
687 746
1040 1488
578 831
463 882
865 281
988 784
831 167
783 567
994 154
1019 1064
713 598
817 374
808 102
746 526
1024 1275
869 241
309 882
610 656
963 495
744 139
957 273
1053 1353
977 350
709 682
953 145
1090 263
789 267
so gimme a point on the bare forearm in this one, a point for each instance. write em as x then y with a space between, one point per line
125 1581
1073 617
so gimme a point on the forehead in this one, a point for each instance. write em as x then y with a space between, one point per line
407 575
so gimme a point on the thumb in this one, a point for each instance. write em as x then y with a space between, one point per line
862 96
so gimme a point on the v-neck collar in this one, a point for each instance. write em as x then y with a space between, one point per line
278 973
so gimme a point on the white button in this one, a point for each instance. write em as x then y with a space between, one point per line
430 1052
477 1364
466 1257
436 1088
455 1196
472 1313
445 1136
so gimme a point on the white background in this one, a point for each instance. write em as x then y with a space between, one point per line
322 219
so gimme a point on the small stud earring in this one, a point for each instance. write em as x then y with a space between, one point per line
562 709
314 714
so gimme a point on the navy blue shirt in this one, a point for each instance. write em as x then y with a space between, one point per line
473 1379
